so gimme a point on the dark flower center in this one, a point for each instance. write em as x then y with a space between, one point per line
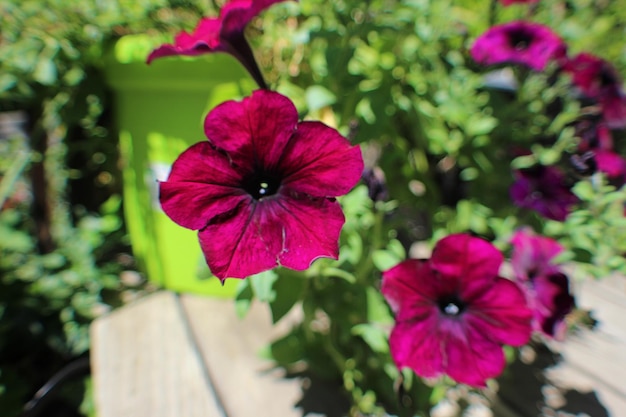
262 185
451 306
520 39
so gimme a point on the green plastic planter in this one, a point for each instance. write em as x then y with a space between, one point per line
159 110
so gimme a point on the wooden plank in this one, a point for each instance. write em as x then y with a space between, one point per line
230 346
144 363
595 360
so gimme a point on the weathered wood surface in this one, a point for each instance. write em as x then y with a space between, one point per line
188 356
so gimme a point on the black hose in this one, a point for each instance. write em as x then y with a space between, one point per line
45 394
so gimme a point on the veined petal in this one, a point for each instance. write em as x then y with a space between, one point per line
472 261
275 231
311 229
243 244
415 345
409 284
501 314
202 184
236 14
320 162
532 254
205 38
253 131
472 358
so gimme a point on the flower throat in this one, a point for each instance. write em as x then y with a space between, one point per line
262 185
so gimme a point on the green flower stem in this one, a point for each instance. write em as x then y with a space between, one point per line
364 270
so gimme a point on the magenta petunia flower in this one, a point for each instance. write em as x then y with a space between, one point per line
222 34
596 147
519 42
453 312
261 189
545 285
544 190
599 81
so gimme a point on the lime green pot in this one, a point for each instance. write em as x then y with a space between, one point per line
159 111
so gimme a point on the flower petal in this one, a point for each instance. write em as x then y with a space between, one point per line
274 231
471 262
253 131
551 301
243 244
311 229
471 358
414 345
205 38
320 162
201 186
532 254
408 285
501 313
236 14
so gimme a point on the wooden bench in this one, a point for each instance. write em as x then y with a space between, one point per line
171 355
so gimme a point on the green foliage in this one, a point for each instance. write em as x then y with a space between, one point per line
63 243
396 77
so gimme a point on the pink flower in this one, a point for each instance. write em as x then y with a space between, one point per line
545 285
544 190
453 312
597 151
525 43
261 189
222 34
599 81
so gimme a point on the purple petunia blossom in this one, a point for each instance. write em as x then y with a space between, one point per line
544 190
545 285
524 43
222 34
599 81
261 189
453 312
596 144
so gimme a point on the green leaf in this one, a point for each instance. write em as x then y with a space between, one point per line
45 72
317 97
289 289
377 310
384 259
373 336
262 284
243 299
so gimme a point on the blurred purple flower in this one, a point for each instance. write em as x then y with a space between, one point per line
546 286
599 81
261 189
222 34
453 312
544 190
519 42
596 145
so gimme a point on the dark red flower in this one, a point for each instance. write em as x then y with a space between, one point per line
545 285
453 312
544 190
261 189
524 43
599 81
596 146
222 34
